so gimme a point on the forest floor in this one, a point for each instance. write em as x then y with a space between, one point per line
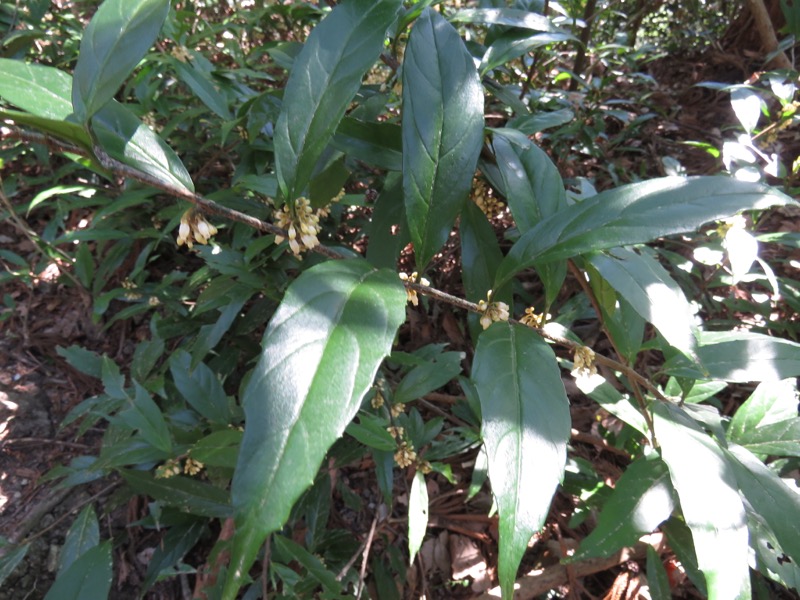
38 389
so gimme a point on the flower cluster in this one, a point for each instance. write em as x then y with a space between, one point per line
171 468
482 196
129 286
405 455
412 294
300 222
492 311
192 466
531 319
583 365
377 400
194 228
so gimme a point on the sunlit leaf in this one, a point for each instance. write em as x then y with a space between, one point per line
525 428
442 131
417 514
324 79
114 42
709 497
634 214
320 353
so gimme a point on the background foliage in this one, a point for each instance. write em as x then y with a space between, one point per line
389 237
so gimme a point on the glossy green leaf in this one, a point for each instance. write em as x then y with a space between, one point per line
428 376
642 499
781 438
770 402
218 449
144 415
83 534
657 576
480 254
651 291
513 17
709 497
377 144
371 431
417 514
442 131
319 356
513 44
200 387
116 39
186 494
770 557
739 356
388 233
172 548
526 425
634 214
531 182
203 85
40 90
324 79
88 578
770 497
534 191
124 137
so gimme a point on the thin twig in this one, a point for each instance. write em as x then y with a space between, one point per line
367 546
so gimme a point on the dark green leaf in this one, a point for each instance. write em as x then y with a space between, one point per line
144 415
526 425
203 85
188 495
709 497
652 292
781 438
176 543
10 560
515 43
739 356
372 432
325 76
312 564
83 534
88 578
200 387
480 255
320 353
428 377
635 214
442 131
642 499
657 576
114 42
83 360
377 144
388 233
218 449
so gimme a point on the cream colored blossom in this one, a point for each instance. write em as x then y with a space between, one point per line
194 228
171 468
482 195
405 455
492 311
397 409
377 400
584 365
410 293
192 466
531 319
396 432
425 467
301 223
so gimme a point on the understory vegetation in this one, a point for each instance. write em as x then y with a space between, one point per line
402 299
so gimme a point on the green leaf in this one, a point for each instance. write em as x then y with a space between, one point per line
40 90
188 495
709 497
739 356
534 190
512 17
531 182
770 497
83 535
313 565
377 144
657 576
634 214
770 402
85 361
200 387
526 425
442 131
652 292
371 431
172 548
116 39
319 356
512 44
781 438
144 415
324 78
480 255
10 560
124 137
387 230
203 85
417 514
642 499
88 578
429 376
218 449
